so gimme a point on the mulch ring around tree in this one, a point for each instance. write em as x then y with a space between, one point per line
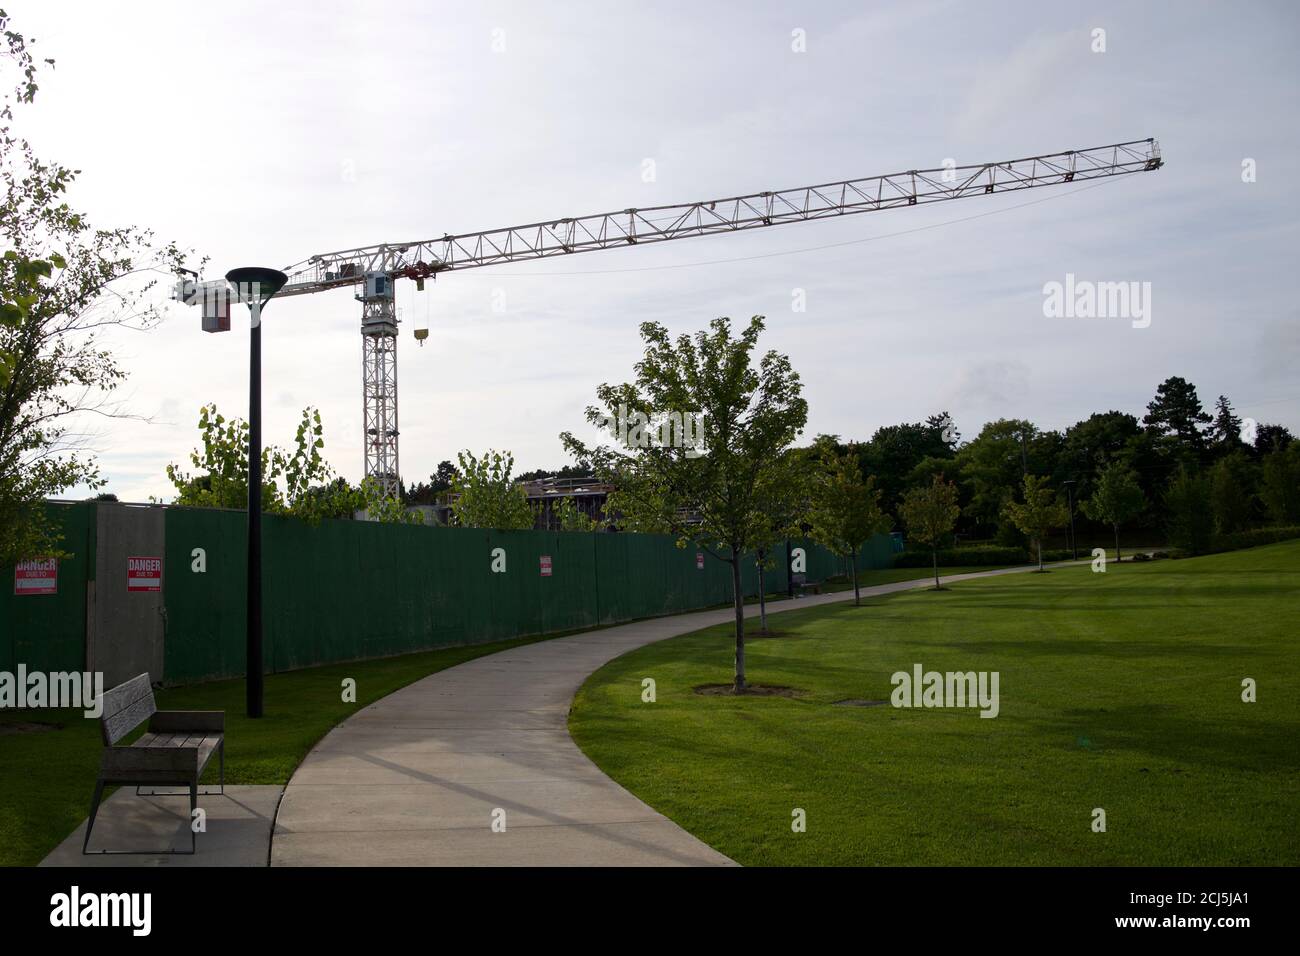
752 690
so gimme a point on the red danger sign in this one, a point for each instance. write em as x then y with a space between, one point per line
699 560
40 576
144 574
545 561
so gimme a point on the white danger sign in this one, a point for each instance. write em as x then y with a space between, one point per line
39 576
546 565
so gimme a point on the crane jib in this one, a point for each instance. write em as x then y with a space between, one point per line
637 226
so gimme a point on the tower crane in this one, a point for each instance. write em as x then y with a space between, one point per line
375 269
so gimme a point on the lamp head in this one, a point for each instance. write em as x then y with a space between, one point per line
255 285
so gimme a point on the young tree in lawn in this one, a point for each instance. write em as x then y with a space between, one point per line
782 502
1038 514
930 513
710 494
845 509
1116 499
485 495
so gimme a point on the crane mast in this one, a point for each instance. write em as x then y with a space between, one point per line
375 268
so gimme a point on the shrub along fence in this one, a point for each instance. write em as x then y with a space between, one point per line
169 595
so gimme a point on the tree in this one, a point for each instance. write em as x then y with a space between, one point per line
299 483
1232 492
782 502
1225 431
1187 503
1038 514
894 451
1116 499
845 510
994 463
428 493
1093 443
708 495
930 513
62 282
1175 415
569 517
485 495
1280 485
1270 438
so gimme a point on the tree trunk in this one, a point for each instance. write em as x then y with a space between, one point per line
739 601
857 595
935 552
1117 544
1040 553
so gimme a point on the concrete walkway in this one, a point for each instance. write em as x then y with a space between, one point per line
417 777
238 830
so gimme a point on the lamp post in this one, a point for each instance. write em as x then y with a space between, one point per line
254 286
1074 545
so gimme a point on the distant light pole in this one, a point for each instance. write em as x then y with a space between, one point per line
1074 545
254 286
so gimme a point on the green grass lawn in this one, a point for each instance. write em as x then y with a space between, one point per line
1120 691
46 776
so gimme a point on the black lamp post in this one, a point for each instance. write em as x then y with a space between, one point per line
254 286
1074 545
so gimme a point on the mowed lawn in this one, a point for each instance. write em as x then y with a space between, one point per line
1120 691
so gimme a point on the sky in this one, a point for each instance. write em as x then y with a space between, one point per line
262 134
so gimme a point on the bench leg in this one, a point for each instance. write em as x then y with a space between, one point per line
94 809
194 803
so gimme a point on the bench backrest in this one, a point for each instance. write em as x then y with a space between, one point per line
126 706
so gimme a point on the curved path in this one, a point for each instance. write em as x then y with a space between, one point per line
418 777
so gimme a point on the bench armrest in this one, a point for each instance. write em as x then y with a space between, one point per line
176 721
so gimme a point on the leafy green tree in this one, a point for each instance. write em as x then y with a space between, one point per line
63 281
712 495
894 451
486 496
569 517
782 500
1039 513
299 483
994 463
380 506
1271 438
845 509
1280 485
1188 509
930 513
1116 500
1091 444
1232 491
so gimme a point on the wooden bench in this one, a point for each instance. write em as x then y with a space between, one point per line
172 753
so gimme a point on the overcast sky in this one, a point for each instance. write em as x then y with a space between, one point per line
261 134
